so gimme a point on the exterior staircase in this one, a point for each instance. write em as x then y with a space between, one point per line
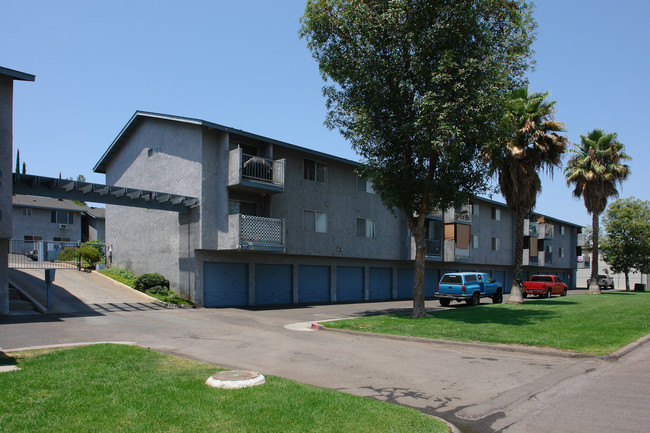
18 305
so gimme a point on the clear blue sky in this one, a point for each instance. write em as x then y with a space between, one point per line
241 64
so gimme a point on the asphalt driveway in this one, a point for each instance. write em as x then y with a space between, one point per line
478 388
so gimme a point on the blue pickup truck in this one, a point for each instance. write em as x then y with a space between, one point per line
469 287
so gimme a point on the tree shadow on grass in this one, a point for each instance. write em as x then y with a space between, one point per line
478 315
7 360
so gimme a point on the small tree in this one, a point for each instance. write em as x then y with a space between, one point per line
18 161
418 87
626 244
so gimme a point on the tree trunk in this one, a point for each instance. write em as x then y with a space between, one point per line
515 290
627 280
594 289
417 228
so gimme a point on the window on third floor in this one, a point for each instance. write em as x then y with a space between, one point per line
315 171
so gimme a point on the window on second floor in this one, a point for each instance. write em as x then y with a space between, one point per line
314 221
560 252
365 228
315 171
364 185
496 244
562 230
62 217
496 214
27 211
474 241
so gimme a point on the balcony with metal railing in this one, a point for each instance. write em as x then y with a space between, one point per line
250 172
434 249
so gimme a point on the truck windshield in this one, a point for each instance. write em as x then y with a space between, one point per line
541 278
451 279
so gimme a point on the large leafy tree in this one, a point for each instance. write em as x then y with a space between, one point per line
626 244
417 87
532 144
594 170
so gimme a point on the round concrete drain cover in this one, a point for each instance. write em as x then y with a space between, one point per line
235 379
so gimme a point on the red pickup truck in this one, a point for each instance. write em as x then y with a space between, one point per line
544 286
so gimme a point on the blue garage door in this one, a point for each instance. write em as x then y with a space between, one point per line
313 283
273 284
405 283
349 283
500 276
380 283
225 284
431 280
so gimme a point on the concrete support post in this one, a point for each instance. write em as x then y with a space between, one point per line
333 278
296 285
366 283
251 284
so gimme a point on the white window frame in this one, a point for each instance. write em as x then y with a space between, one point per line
475 241
562 230
369 228
317 220
496 214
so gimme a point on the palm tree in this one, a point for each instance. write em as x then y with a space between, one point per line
594 170
533 144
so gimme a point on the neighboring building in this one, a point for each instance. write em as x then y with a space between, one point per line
584 273
277 223
50 219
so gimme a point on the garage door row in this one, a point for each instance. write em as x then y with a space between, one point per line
231 284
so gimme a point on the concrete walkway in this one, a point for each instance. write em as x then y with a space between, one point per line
478 388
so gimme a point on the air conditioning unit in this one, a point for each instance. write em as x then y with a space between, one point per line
63 226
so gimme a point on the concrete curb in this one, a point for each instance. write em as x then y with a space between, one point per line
151 298
500 347
58 346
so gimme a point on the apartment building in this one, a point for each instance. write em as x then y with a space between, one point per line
278 223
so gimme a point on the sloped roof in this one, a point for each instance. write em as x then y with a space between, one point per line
141 116
36 202
16 75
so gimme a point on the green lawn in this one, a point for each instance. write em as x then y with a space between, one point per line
110 388
594 324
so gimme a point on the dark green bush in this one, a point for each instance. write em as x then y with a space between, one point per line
147 281
67 255
120 272
158 290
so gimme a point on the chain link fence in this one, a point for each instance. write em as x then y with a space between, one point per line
52 254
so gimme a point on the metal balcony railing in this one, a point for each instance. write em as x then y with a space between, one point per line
262 169
261 232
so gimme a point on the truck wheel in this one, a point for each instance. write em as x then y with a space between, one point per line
548 293
498 298
474 300
564 292
445 302
524 295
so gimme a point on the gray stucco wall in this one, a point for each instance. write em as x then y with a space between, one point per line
147 240
343 204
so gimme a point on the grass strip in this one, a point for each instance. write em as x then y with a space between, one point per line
592 324
109 388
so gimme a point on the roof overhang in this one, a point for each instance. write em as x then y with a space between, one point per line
16 75
97 193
